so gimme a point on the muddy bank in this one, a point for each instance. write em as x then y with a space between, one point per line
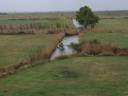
95 48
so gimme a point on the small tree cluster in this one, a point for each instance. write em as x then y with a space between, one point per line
86 17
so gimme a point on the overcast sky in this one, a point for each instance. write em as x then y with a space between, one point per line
60 5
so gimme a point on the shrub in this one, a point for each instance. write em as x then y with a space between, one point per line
76 47
94 41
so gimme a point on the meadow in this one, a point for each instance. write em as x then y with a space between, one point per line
23 50
118 39
112 25
113 14
79 75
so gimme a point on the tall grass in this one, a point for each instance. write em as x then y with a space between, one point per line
45 26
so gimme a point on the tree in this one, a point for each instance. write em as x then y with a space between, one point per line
86 17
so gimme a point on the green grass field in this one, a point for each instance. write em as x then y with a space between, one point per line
17 48
40 15
118 39
114 14
110 31
74 76
112 25
78 76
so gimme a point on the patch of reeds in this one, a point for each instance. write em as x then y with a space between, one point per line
36 28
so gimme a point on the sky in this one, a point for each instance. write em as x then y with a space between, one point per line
60 5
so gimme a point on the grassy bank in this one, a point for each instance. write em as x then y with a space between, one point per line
79 76
25 49
115 38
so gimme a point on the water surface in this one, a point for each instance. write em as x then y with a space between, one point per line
68 50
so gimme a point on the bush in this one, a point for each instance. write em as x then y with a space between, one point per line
94 41
76 47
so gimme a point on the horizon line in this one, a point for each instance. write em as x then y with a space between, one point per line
60 11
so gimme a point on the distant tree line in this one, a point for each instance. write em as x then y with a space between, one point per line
3 13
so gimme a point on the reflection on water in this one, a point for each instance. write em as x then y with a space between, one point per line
68 51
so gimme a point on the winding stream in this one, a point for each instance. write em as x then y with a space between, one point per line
68 50
66 42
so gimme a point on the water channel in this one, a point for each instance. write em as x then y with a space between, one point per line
67 41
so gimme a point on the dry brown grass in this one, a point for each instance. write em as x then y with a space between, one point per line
35 29
90 48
